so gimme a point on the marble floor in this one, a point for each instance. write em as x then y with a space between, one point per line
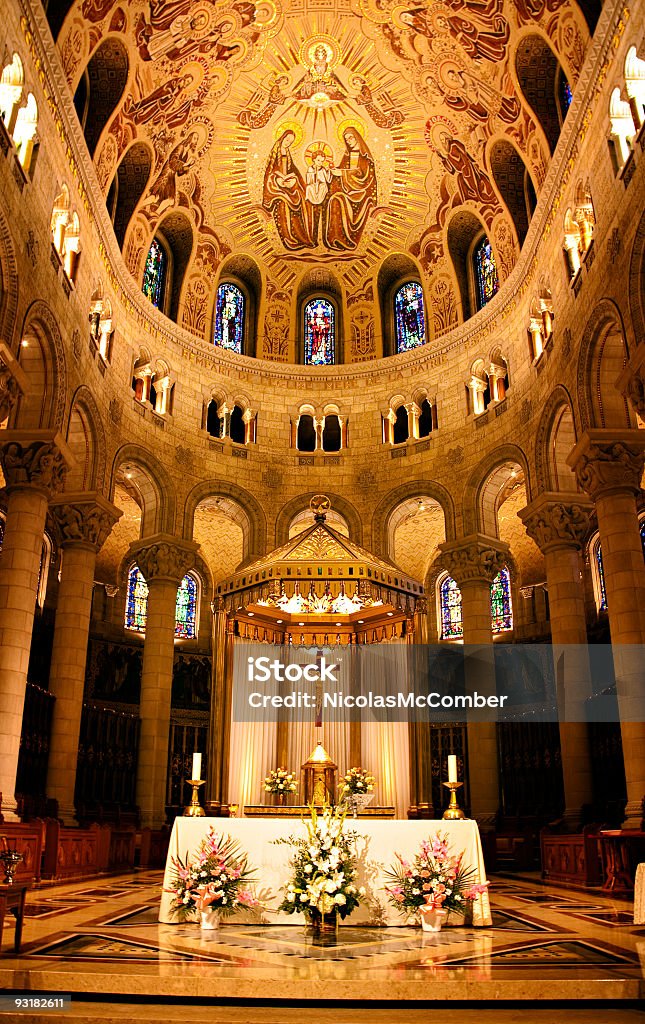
100 942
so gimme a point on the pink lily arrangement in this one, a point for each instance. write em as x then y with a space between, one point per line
435 878
217 876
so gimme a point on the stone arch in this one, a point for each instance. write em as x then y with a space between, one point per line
86 438
636 289
514 183
243 271
155 487
548 459
464 231
8 283
101 88
603 355
475 493
43 360
252 520
388 504
128 186
301 501
538 67
396 270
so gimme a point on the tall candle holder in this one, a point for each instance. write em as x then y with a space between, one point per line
453 811
194 809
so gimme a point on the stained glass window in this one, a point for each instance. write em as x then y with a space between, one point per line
136 612
642 537
136 609
186 609
229 318
501 610
409 317
486 278
601 579
566 95
451 617
320 333
154 274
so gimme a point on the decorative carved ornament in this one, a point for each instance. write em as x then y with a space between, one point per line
165 560
473 559
558 524
605 466
85 521
40 464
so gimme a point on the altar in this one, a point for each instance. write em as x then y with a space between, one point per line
376 845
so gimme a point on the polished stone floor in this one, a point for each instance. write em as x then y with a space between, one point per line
101 940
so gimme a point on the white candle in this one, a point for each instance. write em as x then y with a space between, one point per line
452 767
197 767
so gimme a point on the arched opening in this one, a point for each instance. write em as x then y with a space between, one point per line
213 419
80 438
514 184
230 315
237 303
425 418
237 427
100 89
401 426
403 315
544 85
415 528
127 187
409 317
450 618
635 85
24 134
332 433
155 273
166 263
473 261
306 433
11 84
484 270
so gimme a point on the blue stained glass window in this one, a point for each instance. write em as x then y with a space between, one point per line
186 609
409 317
136 611
501 610
154 274
451 617
229 318
642 537
485 268
566 95
136 608
320 333
601 578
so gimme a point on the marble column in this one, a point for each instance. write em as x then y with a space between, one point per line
609 467
220 718
84 523
421 805
473 563
163 561
34 465
560 525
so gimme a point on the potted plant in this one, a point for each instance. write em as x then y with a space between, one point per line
433 885
214 884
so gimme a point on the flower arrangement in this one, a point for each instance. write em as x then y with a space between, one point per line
433 879
279 780
357 782
218 878
324 868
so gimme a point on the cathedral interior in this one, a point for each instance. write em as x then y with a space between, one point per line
322 323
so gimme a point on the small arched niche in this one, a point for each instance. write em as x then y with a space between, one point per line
127 187
319 310
235 313
514 184
473 261
100 89
404 322
544 85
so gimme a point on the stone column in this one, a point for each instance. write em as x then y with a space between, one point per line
421 805
34 466
609 467
84 522
560 525
163 561
473 563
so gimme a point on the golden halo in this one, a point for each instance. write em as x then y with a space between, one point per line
329 44
396 13
196 71
291 126
350 122
316 147
266 13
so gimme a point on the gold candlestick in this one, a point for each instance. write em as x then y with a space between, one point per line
453 812
194 809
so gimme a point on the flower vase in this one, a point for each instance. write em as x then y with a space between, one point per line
432 918
209 919
323 928
358 802
280 798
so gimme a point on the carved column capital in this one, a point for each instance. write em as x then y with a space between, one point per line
164 557
558 521
632 381
84 519
38 459
13 381
473 559
607 461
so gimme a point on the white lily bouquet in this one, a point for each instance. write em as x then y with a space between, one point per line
357 781
279 780
324 869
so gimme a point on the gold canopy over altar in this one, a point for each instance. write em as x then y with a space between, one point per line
318 590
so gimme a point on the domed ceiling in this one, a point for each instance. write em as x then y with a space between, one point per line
322 134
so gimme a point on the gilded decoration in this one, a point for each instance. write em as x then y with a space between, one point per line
304 136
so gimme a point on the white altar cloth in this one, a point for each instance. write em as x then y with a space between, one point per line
378 842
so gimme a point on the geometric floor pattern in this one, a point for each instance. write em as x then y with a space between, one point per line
546 943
